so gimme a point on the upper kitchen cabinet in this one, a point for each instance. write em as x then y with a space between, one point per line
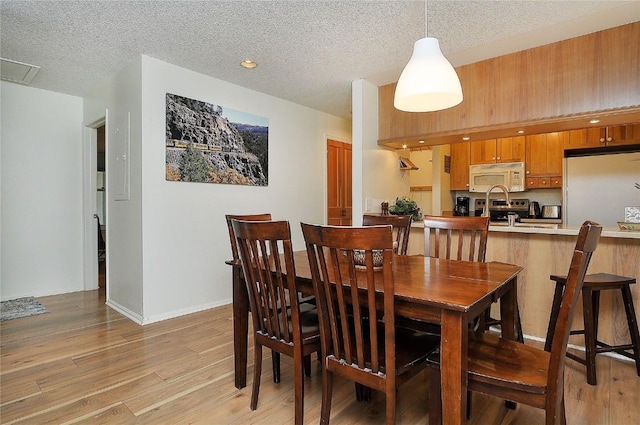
620 135
584 138
605 136
505 149
558 86
543 159
460 154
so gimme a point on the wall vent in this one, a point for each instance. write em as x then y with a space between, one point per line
17 72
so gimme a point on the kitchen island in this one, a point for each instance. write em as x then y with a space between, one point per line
546 249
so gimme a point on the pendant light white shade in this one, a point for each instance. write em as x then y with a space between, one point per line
428 82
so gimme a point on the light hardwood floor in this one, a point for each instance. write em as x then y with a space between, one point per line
83 363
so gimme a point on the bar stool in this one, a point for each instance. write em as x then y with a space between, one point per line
593 284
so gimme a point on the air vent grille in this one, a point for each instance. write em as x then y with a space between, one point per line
17 72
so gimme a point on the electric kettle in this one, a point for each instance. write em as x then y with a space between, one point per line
534 209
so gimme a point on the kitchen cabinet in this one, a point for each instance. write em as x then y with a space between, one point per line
505 149
543 159
603 136
584 138
459 177
620 135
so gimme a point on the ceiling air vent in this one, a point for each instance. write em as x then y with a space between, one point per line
17 72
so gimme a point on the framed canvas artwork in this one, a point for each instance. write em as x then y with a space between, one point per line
210 144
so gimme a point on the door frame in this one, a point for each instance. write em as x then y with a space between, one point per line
89 188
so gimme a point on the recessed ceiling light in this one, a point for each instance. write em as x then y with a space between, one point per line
520 131
249 64
421 141
404 146
594 121
465 138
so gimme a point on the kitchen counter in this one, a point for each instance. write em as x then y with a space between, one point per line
558 229
545 228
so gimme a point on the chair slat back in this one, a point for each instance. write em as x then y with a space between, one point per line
345 294
466 235
270 281
585 246
232 236
401 225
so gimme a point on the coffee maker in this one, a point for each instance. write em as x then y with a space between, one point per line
462 206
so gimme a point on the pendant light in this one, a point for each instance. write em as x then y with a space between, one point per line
428 82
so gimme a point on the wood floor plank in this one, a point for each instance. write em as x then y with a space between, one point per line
84 363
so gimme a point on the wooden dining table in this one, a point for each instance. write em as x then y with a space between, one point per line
448 292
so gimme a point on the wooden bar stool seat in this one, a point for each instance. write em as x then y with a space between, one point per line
593 284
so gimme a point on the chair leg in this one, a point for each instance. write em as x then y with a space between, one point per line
633 324
435 397
299 371
590 301
257 371
306 362
327 387
275 364
391 401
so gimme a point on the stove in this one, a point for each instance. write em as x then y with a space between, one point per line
498 208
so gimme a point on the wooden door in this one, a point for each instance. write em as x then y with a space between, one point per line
338 183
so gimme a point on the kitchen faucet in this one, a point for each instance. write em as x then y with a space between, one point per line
485 210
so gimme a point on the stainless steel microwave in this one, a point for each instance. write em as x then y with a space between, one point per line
509 174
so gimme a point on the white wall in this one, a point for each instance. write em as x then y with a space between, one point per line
41 192
120 98
379 173
185 238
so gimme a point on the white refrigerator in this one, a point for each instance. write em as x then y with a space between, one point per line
599 187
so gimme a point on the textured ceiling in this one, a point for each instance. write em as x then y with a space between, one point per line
308 52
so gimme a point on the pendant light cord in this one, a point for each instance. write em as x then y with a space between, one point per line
426 24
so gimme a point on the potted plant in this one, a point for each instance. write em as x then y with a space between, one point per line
405 206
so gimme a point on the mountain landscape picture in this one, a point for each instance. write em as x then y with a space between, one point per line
211 144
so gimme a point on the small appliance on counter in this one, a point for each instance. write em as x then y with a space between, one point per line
462 206
534 210
552 211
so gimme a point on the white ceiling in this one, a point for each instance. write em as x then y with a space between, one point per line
308 52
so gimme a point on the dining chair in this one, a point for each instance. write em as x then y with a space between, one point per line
357 323
518 372
237 270
401 225
462 238
278 323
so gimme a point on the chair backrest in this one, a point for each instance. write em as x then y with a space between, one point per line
232 236
346 298
401 225
467 236
585 246
101 243
266 254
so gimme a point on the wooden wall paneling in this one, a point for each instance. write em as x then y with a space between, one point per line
563 80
